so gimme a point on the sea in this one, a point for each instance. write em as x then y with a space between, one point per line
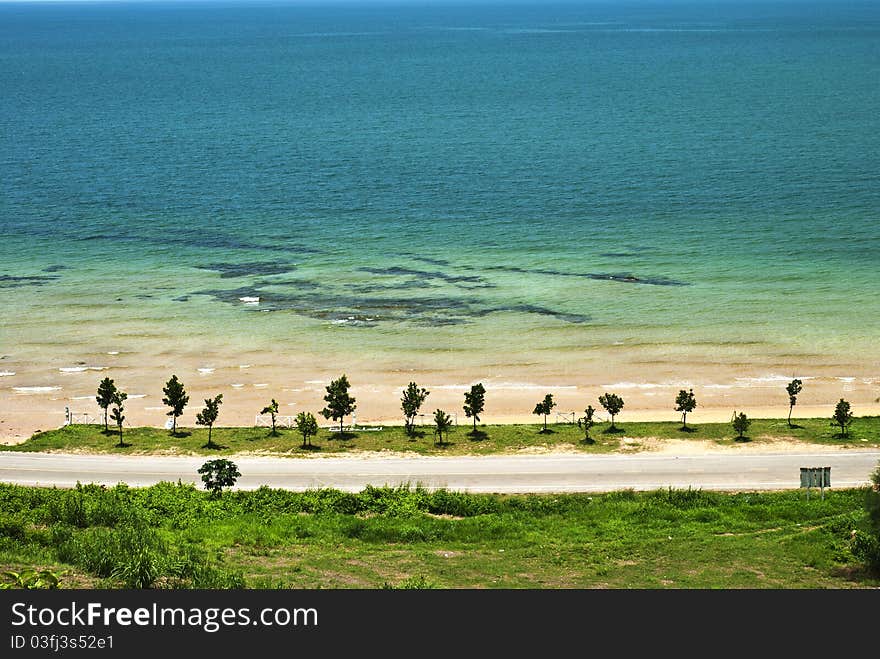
578 194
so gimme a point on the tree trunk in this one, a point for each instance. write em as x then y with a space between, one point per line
106 427
210 428
173 424
790 408
120 436
475 423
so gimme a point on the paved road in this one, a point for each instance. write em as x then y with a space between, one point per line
503 474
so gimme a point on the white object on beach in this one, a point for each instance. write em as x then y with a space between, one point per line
236 385
206 371
250 300
34 390
4 374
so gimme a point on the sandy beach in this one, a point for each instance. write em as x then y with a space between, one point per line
34 397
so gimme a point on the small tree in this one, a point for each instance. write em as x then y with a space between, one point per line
442 424
118 412
410 403
793 388
612 404
586 422
106 392
474 402
545 407
741 423
271 408
684 403
339 403
307 424
209 415
217 474
176 398
842 416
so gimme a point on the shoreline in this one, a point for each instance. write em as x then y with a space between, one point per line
34 396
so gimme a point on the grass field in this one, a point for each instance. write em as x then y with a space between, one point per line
176 536
863 433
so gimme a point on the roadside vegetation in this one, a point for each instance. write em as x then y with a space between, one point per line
179 536
861 432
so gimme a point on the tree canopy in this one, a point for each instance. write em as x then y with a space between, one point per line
106 392
545 407
685 402
474 402
410 403
208 416
339 403
176 398
612 403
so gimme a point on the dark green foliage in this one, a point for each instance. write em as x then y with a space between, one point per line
217 474
208 416
793 388
612 403
545 407
307 425
442 424
106 393
271 408
685 402
339 403
118 412
474 402
586 422
842 416
11 527
740 423
176 398
865 542
410 403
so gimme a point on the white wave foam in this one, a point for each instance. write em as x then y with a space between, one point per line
528 386
250 300
770 379
34 390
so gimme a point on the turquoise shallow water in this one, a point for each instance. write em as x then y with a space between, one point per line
544 188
